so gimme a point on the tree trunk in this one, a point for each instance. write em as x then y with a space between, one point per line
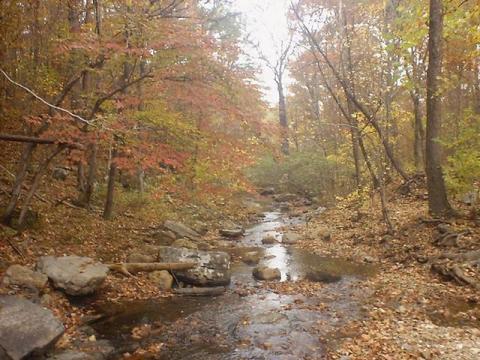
437 194
282 116
36 182
108 211
419 135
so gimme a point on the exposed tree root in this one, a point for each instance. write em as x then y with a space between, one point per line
129 269
454 272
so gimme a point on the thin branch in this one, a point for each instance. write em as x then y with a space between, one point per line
75 116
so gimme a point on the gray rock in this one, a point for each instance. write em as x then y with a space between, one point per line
232 233
140 258
23 276
73 274
26 329
290 238
213 267
181 230
266 273
162 279
184 243
269 239
60 174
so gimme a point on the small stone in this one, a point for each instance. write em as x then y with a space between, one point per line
92 338
266 273
163 279
290 238
269 239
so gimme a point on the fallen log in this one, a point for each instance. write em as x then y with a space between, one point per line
212 291
129 269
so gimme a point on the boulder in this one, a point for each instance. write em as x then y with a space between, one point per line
73 274
140 258
290 238
162 279
232 233
323 277
184 243
269 239
23 276
266 273
213 268
181 230
26 329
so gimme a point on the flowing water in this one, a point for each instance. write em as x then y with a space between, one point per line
250 321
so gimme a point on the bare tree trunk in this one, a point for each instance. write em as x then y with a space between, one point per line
419 135
437 194
282 116
36 182
108 211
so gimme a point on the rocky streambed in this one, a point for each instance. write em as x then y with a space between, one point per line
253 319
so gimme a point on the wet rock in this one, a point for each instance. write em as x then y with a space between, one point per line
184 243
213 267
323 277
140 258
269 239
73 274
232 233
266 273
181 230
251 258
290 238
60 174
267 191
163 237
26 329
23 276
271 317
162 279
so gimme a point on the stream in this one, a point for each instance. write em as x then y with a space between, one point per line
250 321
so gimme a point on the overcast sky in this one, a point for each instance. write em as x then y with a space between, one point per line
267 25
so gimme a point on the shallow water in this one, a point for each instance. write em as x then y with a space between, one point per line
260 324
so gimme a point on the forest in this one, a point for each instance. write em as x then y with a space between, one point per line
239 179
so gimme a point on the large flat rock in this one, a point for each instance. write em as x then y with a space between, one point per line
26 329
73 274
181 230
213 266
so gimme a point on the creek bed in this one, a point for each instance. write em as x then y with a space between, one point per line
259 323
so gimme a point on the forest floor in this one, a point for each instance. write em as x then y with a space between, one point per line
413 312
